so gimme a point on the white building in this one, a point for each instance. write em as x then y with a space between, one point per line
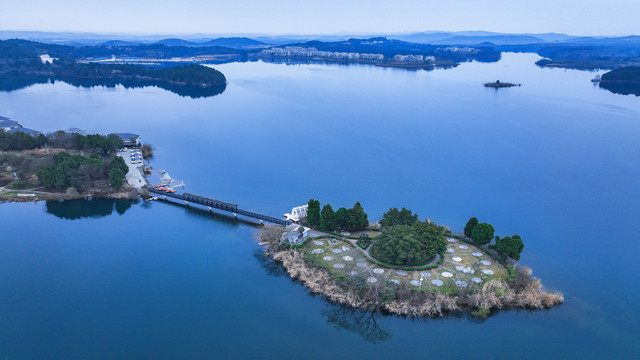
297 213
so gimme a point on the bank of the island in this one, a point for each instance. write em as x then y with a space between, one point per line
405 266
67 165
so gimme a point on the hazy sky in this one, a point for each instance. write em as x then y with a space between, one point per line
576 17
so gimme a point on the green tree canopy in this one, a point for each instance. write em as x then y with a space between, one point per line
482 233
313 212
353 219
395 217
116 178
120 164
361 220
327 218
468 228
70 170
509 247
410 244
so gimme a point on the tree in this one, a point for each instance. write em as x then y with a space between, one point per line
395 217
509 247
313 212
147 152
361 220
470 225
327 218
116 178
482 233
120 164
341 219
45 176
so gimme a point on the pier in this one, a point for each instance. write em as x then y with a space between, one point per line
211 204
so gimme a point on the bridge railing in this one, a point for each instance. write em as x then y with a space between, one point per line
220 205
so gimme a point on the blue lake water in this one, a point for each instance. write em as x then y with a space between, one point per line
556 161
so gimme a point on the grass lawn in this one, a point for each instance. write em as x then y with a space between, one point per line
341 259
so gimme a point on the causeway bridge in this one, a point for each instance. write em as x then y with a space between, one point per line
211 204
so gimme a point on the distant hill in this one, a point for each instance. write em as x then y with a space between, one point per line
468 38
228 42
177 42
235 43
118 43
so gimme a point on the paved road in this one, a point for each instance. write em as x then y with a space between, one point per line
134 176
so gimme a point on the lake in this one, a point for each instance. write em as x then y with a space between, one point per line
556 161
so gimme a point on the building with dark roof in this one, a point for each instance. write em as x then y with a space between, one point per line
130 139
7 124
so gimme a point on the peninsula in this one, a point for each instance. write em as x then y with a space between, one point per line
23 62
625 80
405 266
63 165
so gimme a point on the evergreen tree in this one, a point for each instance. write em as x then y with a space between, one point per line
361 219
327 216
509 247
395 217
482 233
341 219
313 212
116 178
469 227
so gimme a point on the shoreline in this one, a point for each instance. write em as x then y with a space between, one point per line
525 292
129 194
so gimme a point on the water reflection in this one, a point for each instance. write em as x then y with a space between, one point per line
363 323
284 61
87 208
272 267
622 89
16 82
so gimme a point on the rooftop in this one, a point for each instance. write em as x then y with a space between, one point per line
6 122
127 136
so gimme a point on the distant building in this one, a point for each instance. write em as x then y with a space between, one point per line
130 139
409 58
311 52
7 124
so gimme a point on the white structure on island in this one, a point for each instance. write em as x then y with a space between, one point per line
294 235
297 213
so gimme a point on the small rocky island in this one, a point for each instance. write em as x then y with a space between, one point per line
406 266
499 84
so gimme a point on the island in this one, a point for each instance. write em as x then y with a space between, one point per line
624 81
498 84
404 265
23 63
